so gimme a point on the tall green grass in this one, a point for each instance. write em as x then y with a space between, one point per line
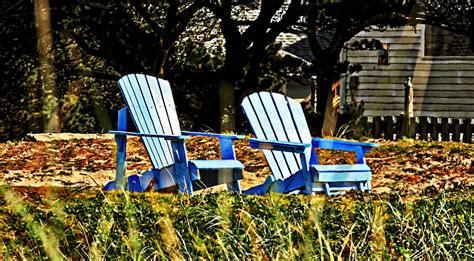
230 226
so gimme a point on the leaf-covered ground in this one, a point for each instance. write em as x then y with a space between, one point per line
406 167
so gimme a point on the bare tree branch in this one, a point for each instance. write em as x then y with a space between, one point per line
4 13
138 5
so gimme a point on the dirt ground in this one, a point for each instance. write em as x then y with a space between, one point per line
88 160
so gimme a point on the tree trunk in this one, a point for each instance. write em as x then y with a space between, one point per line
250 82
46 66
324 99
233 70
325 63
322 92
313 95
323 103
226 104
161 59
330 116
253 72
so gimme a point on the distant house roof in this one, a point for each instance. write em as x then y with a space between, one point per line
298 45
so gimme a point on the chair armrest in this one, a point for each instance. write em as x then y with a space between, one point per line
226 142
343 145
213 135
164 136
278 145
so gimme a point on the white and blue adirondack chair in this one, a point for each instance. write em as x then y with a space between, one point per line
282 133
151 106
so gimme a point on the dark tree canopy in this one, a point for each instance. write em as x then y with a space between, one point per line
130 36
456 16
18 57
247 37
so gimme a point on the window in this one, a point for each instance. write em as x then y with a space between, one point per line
383 55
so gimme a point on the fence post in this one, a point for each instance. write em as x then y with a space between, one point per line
423 128
457 130
363 127
445 129
389 127
434 129
408 125
377 127
467 137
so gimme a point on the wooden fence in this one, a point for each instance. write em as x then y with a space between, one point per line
425 128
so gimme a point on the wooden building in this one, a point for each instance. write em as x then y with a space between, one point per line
440 64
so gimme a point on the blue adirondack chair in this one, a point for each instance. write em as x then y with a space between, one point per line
282 133
151 106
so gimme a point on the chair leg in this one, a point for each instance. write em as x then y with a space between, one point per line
234 186
147 180
182 172
262 188
327 189
134 183
364 186
110 185
121 142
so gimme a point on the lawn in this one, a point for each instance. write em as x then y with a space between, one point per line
421 207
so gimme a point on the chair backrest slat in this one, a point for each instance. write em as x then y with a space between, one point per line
147 104
279 122
276 117
299 121
170 108
134 98
262 128
151 91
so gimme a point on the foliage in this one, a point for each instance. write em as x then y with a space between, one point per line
97 42
93 225
455 16
84 103
194 76
85 53
349 124
18 58
129 36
